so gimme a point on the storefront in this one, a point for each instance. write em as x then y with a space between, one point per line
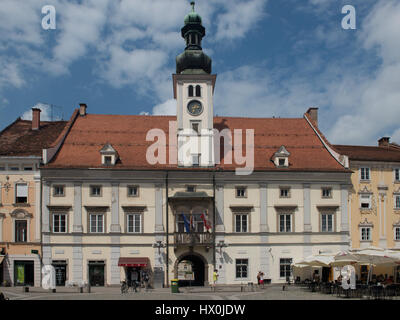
96 273
60 267
135 268
23 273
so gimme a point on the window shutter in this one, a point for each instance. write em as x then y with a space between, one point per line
22 190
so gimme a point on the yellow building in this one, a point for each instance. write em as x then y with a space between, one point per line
21 146
374 202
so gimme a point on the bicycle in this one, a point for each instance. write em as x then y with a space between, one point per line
124 287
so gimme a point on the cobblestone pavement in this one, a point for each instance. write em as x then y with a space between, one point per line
271 292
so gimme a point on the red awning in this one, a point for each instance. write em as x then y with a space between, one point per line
133 262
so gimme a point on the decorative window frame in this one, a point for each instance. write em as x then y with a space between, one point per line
20 214
396 225
140 213
366 192
286 209
94 212
139 209
396 193
241 210
66 221
365 224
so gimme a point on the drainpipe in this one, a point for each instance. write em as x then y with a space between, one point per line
167 228
214 223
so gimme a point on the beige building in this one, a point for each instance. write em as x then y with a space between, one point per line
121 195
21 145
374 200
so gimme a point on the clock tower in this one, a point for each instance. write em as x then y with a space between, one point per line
194 89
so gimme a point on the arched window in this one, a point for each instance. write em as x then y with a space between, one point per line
190 91
198 91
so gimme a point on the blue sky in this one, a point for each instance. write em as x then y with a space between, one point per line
272 57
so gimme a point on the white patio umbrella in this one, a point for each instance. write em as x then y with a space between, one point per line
319 260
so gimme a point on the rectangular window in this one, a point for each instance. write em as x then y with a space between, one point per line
107 160
58 191
242 266
28 168
397 174
366 234
240 192
196 126
196 160
285 223
326 192
133 191
59 223
21 231
281 162
364 174
285 268
2 168
14 168
397 201
365 201
95 191
21 194
284 192
190 189
96 223
134 223
397 233
327 222
241 223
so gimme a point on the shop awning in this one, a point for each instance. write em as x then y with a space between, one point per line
133 262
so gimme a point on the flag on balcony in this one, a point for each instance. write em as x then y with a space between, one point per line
192 227
206 224
186 222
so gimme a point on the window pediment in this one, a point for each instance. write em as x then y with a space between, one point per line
365 224
21 214
365 190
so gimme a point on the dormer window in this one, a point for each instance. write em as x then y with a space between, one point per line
281 158
109 155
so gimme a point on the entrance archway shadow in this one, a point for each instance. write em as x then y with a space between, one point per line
200 269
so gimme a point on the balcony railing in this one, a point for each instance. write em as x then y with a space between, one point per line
193 238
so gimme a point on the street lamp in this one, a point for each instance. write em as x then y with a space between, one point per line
159 245
221 244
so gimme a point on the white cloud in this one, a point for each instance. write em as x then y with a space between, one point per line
45 115
166 108
396 136
239 17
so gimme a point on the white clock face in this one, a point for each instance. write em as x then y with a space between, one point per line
195 108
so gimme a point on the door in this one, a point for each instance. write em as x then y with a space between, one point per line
61 273
96 274
24 273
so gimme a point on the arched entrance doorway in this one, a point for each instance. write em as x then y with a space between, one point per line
194 264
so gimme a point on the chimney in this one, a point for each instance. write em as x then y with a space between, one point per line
36 118
313 115
384 141
82 109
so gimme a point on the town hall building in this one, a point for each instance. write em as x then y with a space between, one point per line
112 207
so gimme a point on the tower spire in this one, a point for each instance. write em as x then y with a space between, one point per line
193 60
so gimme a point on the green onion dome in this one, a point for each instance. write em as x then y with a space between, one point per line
192 17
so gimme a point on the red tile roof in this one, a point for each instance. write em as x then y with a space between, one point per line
389 153
19 140
127 134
